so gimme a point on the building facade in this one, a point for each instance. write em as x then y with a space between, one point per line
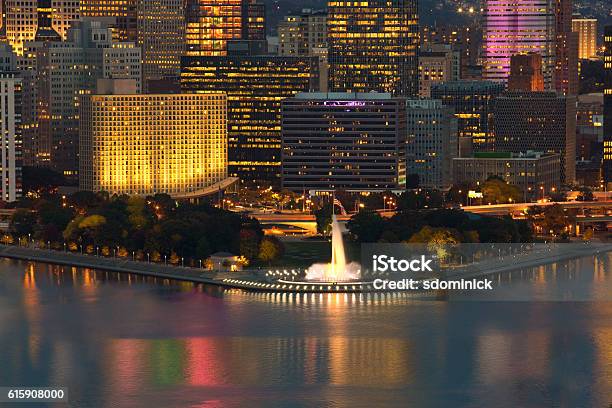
148 144
526 73
587 36
211 24
123 61
161 37
538 121
343 141
438 63
432 142
22 19
566 49
255 87
121 13
373 46
534 173
472 102
607 137
305 35
10 136
515 27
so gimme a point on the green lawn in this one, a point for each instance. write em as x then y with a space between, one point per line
302 254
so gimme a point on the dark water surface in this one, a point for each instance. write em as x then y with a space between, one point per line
126 341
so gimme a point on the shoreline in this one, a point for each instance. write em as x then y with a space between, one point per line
248 280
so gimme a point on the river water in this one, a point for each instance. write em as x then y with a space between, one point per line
126 341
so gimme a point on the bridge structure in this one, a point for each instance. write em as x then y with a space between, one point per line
602 213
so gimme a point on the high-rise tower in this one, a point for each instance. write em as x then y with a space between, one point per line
373 46
516 27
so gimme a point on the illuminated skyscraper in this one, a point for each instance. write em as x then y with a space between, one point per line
607 162
64 13
212 23
373 46
147 144
11 86
161 37
124 13
255 87
23 18
516 27
587 36
526 73
566 49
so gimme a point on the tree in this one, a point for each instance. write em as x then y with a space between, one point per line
249 244
585 194
270 249
413 180
555 221
22 223
430 235
497 191
324 219
39 179
366 226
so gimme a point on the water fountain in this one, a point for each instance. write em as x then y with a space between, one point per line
338 270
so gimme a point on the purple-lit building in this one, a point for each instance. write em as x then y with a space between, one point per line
514 27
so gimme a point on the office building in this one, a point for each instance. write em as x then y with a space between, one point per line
123 61
11 86
148 144
589 128
536 174
431 143
305 35
121 14
538 121
466 39
161 38
438 63
517 27
472 102
566 49
64 14
526 73
343 141
61 72
373 46
211 24
607 136
51 19
21 22
587 36
300 35
255 87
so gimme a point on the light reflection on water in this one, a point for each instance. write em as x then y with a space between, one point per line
120 340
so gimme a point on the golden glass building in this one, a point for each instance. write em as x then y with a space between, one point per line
212 23
373 46
147 144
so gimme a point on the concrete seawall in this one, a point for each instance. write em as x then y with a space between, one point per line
114 265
